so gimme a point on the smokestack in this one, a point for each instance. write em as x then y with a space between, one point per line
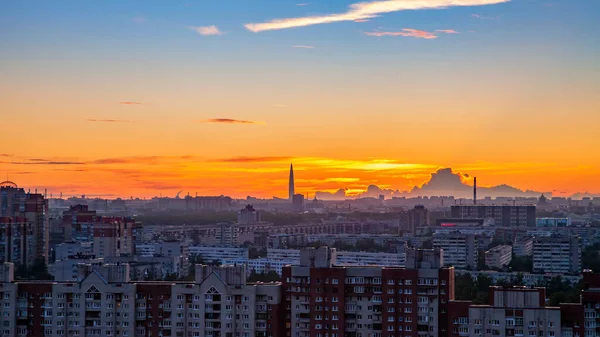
475 191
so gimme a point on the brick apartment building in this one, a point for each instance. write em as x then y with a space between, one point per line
105 303
324 300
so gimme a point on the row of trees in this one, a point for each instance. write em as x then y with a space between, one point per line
477 289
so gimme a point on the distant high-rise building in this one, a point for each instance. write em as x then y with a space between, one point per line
109 236
291 183
505 216
248 215
298 202
417 217
24 233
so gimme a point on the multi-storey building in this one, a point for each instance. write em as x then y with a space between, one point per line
110 236
417 217
248 215
24 227
171 249
210 254
515 311
523 247
557 254
326 300
106 303
505 216
498 257
460 250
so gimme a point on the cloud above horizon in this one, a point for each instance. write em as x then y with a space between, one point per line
410 32
229 121
109 120
207 30
364 11
303 47
130 103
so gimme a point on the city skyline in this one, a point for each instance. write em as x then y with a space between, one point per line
218 97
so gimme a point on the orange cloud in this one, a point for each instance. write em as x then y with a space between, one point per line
253 159
129 103
229 121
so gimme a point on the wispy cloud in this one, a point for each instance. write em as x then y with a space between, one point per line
253 159
207 30
229 121
302 4
303 47
138 19
47 163
447 31
482 17
109 120
421 34
280 105
364 10
362 20
129 103
5 155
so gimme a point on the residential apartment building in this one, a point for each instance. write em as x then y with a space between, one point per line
169 249
209 253
248 215
517 311
498 257
523 247
106 303
322 299
109 236
460 250
504 216
557 254
24 227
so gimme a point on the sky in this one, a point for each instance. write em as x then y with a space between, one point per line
143 98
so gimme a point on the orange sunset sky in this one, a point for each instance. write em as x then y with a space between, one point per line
126 100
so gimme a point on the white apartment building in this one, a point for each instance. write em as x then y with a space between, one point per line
209 253
498 256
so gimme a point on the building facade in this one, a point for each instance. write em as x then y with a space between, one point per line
515 311
498 256
321 299
106 303
460 250
24 226
557 254
505 216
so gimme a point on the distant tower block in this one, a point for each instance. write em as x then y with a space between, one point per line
291 183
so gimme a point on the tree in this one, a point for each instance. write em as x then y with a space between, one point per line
38 270
522 264
270 276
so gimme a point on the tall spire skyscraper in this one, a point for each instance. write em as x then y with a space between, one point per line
291 187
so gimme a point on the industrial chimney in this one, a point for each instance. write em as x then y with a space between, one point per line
475 191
